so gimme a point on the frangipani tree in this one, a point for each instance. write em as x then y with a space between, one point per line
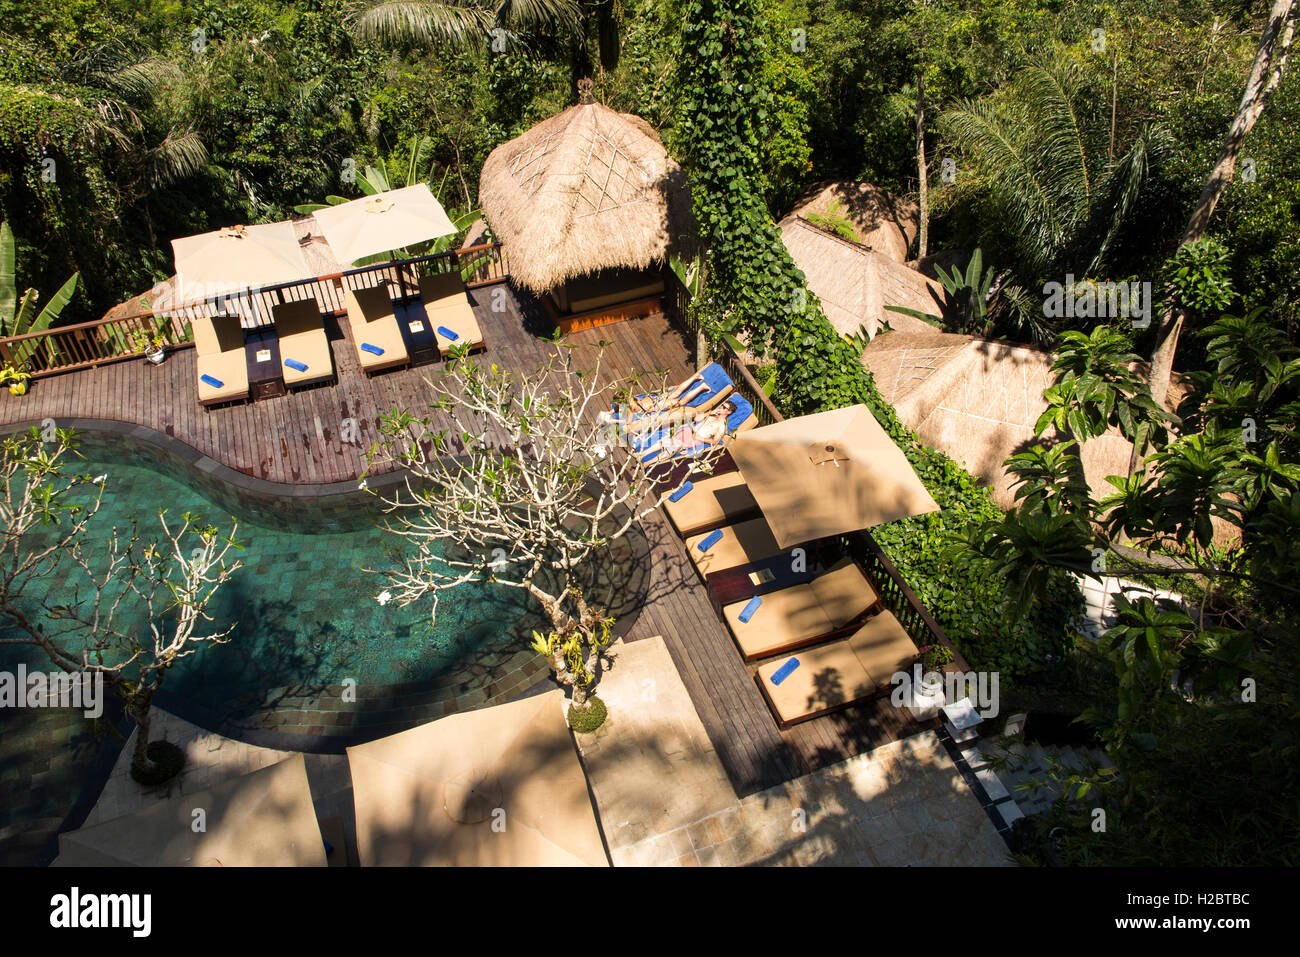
122 608
513 480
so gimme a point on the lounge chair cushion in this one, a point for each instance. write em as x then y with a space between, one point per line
840 672
787 617
828 676
228 368
844 593
711 502
301 331
740 544
802 613
447 304
883 647
371 316
217 335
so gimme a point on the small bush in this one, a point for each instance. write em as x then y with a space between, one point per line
588 719
167 760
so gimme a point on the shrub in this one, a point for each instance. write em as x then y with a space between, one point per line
588 719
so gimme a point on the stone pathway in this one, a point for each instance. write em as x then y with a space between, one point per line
212 759
902 804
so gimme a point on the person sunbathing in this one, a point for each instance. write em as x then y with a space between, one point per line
678 397
708 429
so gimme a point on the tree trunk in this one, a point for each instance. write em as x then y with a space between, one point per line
923 184
1265 75
139 707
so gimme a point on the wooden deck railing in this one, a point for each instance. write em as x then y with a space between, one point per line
899 597
94 343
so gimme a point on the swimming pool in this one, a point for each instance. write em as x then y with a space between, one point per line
306 620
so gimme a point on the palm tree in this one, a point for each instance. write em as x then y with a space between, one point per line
1061 197
563 30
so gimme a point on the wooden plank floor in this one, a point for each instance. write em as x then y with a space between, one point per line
295 439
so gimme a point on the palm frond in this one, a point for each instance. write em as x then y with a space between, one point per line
457 24
176 157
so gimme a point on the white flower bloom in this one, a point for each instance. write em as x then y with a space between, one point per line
363 486
384 597
99 479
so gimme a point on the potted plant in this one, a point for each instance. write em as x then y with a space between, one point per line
15 378
933 660
154 347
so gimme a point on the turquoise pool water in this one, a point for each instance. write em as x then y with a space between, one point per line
303 606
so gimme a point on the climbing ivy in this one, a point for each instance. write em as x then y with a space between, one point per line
757 292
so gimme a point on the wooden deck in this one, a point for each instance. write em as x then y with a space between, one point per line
295 439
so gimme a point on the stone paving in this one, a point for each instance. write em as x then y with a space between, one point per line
902 804
662 794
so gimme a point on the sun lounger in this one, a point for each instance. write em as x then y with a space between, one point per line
222 367
840 673
719 386
375 332
801 615
738 421
739 544
711 502
304 347
450 315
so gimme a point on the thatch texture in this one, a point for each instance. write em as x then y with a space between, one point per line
586 190
885 223
854 284
977 401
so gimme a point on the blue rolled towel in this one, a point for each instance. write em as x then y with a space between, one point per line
710 540
784 671
747 612
373 350
215 383
296 365
448 334
680 493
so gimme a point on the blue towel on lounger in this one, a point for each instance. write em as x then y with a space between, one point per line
448 334
680 493
710 540
373 350
296 365
734 421
747 612
784 671
215 383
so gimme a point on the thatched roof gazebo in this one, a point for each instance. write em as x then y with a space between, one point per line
588 206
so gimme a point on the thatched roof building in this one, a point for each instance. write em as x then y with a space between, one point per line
885 223
977 400
854 283
587 190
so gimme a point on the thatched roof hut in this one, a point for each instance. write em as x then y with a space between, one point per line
977 400
854 283
587 190
885 223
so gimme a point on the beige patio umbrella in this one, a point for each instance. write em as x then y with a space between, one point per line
236 258
828 473
385 221
261 819
500 786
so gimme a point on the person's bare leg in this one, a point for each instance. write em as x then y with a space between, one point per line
699 390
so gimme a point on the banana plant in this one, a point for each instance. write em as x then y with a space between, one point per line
965 306
18 317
